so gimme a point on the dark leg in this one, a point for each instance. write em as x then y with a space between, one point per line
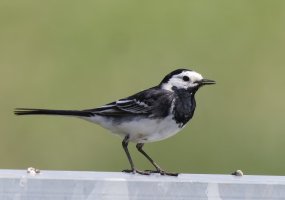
158 169
132 170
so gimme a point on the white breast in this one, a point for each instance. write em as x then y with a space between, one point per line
140 130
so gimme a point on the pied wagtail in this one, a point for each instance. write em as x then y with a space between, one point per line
148 116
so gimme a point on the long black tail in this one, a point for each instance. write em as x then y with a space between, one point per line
31 111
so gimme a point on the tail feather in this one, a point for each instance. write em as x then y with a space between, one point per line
32 111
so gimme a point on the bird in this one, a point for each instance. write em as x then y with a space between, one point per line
148 116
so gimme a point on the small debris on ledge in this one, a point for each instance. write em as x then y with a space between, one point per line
33 171
237 173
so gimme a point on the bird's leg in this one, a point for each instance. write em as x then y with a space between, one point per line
158 169
139 147
132 170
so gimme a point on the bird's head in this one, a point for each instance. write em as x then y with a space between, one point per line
184 79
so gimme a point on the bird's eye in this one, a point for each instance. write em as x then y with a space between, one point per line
186 78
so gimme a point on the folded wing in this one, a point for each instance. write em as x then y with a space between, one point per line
147 102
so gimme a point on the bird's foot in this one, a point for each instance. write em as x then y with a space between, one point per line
136 171
162 172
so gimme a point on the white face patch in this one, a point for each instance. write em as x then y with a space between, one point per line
178 81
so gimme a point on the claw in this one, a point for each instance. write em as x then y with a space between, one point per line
162 172
134 171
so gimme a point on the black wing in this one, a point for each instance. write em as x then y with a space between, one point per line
154 101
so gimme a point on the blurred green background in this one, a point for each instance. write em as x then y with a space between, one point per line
82 54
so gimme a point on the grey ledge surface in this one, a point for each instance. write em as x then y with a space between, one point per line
77 185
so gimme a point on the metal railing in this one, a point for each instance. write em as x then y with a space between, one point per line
74 185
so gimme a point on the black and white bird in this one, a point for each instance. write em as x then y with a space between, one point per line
151 115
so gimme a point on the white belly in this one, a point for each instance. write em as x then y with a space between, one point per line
140 130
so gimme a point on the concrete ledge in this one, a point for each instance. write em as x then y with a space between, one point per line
47 185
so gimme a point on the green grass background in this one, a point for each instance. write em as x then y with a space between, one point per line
81 54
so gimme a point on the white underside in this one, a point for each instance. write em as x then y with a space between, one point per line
140 130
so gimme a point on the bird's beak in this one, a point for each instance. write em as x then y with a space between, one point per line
207 82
